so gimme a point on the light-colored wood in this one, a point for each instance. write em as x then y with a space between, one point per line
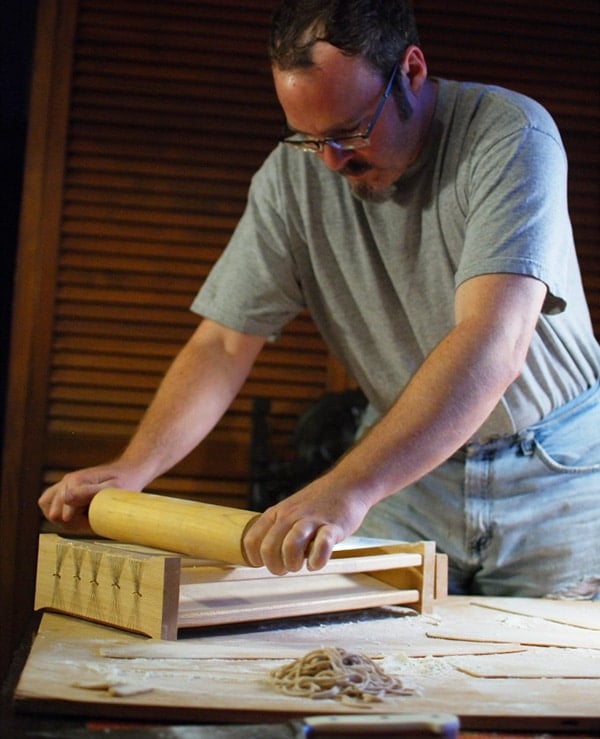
108 581
441 576
173 524
206 604
422 578
367 562
124 587
233 689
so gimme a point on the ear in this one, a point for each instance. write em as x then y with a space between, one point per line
414 67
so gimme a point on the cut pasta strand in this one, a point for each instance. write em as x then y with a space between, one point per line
332 672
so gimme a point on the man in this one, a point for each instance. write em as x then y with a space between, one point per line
424 224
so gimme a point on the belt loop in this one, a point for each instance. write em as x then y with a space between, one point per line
527 444
460 455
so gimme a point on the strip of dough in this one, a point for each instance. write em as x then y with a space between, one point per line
183 650
582 614
542 662
535 636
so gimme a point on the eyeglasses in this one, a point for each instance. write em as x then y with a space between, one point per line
344 143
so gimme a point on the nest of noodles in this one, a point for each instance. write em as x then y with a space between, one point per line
332 672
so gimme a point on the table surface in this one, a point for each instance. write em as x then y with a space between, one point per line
499 664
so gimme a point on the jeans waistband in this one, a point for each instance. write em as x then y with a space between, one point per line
473 448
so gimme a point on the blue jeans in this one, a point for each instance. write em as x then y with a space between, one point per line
516 516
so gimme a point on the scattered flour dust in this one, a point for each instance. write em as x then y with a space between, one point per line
410 667
516 621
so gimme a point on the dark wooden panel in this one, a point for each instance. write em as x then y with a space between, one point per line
550 51
171 111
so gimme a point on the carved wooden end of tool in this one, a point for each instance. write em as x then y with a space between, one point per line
180 564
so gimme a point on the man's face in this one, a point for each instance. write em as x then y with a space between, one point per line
338 96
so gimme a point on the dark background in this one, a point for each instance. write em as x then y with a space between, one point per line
17 22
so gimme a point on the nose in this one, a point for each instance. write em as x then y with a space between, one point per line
334 158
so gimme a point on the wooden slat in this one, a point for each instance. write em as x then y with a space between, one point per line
24 442
146 123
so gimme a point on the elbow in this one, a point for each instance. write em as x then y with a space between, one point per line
512 361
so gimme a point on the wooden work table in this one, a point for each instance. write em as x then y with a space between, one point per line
499 664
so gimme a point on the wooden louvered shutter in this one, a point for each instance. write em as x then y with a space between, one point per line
171 111
546 49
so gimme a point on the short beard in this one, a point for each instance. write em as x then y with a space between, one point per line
370 194
362 190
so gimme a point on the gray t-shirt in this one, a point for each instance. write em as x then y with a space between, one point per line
487 195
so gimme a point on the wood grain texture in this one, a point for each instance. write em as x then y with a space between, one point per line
151 591
190 527
230 689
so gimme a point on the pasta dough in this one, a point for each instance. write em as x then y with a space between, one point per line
332 672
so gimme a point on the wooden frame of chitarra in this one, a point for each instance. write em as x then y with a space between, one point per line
156 593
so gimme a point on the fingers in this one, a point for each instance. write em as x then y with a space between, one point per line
283 547
78 523
289 553
67 500
322 547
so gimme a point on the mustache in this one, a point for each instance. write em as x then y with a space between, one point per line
355 167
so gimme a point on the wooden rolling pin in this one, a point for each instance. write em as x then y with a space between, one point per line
199 530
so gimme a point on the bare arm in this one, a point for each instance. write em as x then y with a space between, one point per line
197 389
450 396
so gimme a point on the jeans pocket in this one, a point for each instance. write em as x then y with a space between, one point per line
566 458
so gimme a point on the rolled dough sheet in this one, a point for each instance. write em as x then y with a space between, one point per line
584 614
372 632
504 627
542 662
198 650
67 651
541 638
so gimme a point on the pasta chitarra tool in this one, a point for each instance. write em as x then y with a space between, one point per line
166 564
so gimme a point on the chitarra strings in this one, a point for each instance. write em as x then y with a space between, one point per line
332 672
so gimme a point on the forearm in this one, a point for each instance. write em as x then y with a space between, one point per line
195 392
452 393
447 400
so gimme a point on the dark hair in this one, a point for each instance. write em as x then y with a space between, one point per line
378 30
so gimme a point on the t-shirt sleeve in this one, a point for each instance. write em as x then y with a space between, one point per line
254 286
516 204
